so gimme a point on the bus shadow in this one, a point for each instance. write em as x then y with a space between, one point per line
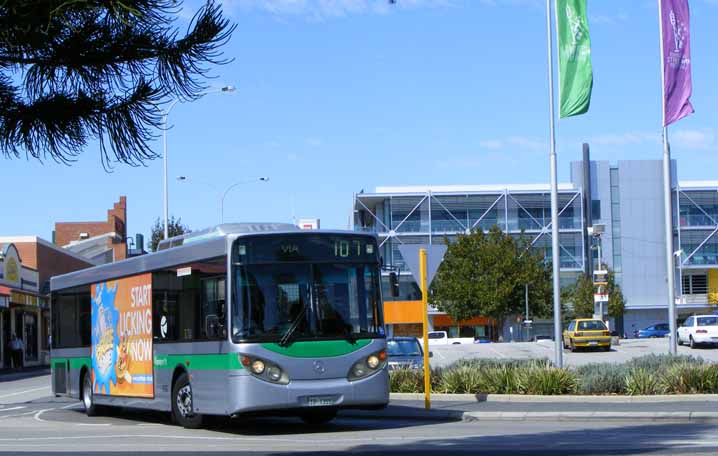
261 425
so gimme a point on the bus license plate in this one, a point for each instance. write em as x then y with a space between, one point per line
320 401
593 342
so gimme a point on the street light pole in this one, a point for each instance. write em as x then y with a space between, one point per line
224 195
165 116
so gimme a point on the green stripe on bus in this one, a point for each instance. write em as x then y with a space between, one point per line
227 361
319 348
75 363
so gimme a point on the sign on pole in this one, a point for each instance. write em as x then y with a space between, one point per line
434 257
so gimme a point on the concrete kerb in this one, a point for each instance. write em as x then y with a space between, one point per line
681 417
415 413
556 399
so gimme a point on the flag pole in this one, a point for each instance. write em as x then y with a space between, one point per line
668 216
557 324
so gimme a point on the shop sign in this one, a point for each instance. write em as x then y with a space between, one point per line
23 299
122 337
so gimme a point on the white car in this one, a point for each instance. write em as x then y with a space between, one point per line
442 338
698 330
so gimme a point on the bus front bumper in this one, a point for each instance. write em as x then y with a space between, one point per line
249 394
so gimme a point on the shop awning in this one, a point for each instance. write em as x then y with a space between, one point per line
5 291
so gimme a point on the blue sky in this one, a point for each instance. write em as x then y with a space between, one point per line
335 96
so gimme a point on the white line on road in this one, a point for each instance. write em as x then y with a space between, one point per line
17 393
11 408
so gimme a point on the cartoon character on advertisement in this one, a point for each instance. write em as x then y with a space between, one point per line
105 340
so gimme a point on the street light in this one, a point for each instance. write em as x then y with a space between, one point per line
226 191
224 195
227 89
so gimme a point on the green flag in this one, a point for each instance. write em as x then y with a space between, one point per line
575 73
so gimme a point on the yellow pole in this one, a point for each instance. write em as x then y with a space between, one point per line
425 317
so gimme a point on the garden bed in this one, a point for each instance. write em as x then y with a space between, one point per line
648 375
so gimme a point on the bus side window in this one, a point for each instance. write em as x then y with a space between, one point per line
213 307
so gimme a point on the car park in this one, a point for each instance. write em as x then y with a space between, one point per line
587 333
699 330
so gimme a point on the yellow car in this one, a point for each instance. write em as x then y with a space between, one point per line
587 333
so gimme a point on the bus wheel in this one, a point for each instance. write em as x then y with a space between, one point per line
318 417
182 405
88 401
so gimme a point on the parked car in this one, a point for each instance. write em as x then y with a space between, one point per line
541 337
659 330
442 338
587 333
699 330
405 353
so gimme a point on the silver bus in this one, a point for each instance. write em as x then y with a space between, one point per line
233 320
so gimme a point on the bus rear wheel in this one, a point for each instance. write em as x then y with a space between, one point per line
183 405
318 417
88 399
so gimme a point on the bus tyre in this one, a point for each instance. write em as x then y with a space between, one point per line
182 404
318 417
88 399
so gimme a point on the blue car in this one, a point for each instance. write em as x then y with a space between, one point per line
659 330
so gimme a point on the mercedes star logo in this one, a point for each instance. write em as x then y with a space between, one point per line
319 367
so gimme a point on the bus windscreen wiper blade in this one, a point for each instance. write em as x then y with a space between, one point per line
284 341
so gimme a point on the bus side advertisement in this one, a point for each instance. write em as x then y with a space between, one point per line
122 337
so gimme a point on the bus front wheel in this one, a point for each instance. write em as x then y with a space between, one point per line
318 417
182 404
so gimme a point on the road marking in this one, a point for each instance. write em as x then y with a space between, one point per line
11 408
26 391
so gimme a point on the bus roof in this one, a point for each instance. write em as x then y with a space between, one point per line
196 246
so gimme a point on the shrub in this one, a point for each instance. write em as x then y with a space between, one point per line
546 381
406 381
602 378
460 380
658 363
640 381
690 379
499 380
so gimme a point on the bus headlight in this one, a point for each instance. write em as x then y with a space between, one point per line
367 366
264 370
274 373
258 366
372 362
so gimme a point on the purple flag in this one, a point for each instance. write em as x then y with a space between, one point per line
677 85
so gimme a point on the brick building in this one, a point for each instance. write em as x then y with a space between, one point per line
26 265
100 242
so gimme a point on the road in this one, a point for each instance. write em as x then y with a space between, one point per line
629 349
49 424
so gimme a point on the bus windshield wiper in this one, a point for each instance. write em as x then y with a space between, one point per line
284 341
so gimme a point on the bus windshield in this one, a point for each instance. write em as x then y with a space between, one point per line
307 299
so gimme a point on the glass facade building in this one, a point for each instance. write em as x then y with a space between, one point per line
626 197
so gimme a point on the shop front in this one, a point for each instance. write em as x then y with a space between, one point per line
21 311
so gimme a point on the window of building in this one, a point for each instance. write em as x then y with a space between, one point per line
595 210
695 284
189 302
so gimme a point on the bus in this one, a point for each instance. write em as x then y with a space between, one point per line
238 319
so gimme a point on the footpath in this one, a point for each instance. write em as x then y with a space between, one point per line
692 408
11 375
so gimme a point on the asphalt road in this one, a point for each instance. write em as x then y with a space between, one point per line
48 424
628 349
